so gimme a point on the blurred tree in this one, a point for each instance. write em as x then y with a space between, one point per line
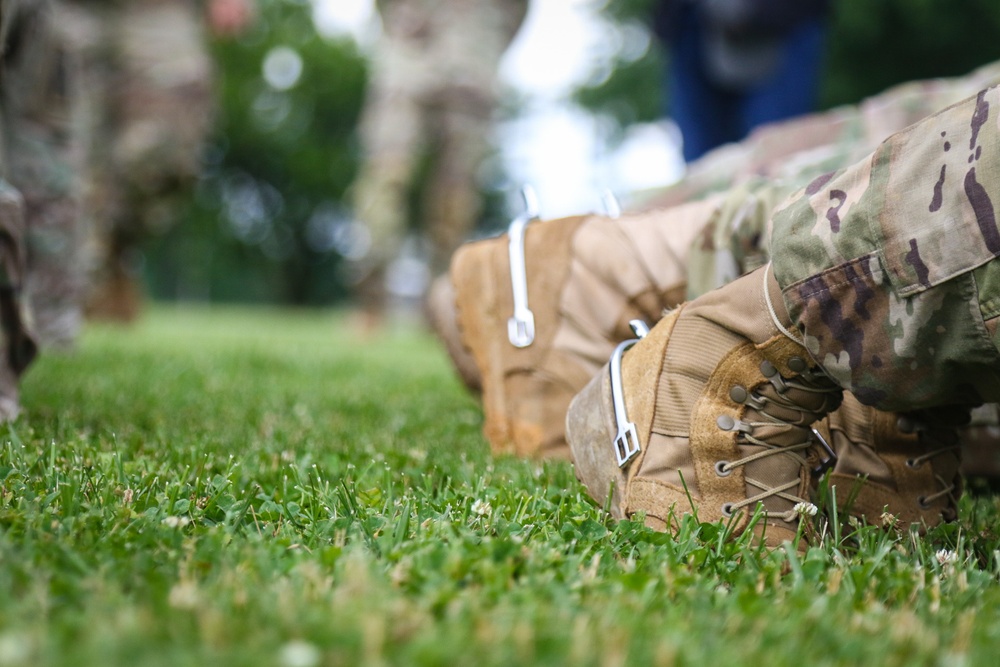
267 222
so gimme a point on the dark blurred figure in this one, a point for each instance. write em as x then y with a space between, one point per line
737 64
426 122
145 108
41 273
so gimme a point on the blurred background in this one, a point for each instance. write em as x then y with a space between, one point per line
580 102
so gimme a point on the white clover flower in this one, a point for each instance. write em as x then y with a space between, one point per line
184 595
888 519
805 509
946 556
481 507
298 653
176 521
15 649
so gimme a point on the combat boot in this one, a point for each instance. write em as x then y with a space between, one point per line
439 311
541 308
709 414
895 469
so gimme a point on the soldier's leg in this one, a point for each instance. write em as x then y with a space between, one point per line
393 127
889 267
42 165
452 201
17 345
885 271
152 94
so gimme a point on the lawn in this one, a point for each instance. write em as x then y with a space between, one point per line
263 487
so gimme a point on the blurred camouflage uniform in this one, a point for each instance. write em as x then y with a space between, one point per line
802 148
40 230
40 161
431 97
146 107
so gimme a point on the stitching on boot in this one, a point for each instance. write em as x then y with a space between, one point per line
658 340
709 444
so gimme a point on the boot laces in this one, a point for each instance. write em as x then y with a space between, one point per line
767 491
784 409
941 440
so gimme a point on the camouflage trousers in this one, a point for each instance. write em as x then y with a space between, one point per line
143 109
889 267
425 128
40 161
802 148
41 277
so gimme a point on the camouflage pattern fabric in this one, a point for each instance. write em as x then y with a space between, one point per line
39 160
755 175
36 194
734 241
889 267
802 148
795 150
429 106
145 107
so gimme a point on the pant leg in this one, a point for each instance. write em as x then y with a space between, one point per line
889 267
17 342
42 164
707 116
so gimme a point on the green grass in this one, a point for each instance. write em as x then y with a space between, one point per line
250 487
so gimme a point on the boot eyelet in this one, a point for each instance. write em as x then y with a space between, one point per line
725 422
739 394
721 470
727 510
913 464
922 501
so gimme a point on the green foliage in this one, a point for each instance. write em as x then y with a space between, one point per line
279 159
877 43
627 95
630 89
236 487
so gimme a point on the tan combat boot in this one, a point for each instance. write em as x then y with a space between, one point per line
710 413
541 308
893 469
439 310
